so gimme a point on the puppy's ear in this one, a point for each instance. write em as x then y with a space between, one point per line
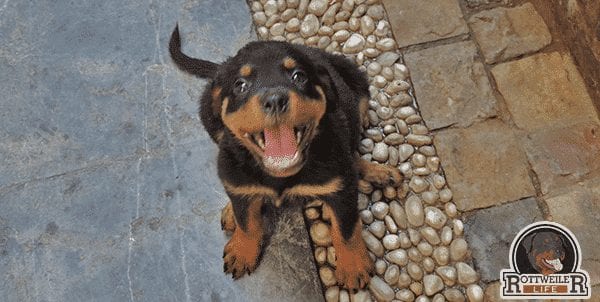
200 68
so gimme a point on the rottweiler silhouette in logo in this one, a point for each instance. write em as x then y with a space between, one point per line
545 252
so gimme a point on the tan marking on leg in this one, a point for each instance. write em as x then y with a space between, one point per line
379 174
246 70
241 253
363 107
353 264
330 187
228 219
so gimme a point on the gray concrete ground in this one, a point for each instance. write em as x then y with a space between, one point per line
108 187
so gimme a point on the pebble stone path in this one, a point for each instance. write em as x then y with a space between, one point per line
414 232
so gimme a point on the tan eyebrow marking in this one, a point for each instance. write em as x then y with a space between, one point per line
289 63
246 70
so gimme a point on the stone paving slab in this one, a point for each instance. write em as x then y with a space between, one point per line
544 90
451 85
490 241
578 208
505 33
108 186
484 165
416 21
561 156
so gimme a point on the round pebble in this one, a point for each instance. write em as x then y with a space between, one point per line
458 249
405 295
404 280
434 217
474 293
414 270
446 235
466 274
317 7
381 290
399 257
406 151
448 274
441 255
432 284
320 254
418 184
391 242
373 244
394 139
390 225
391 274
327 276
319 232
431 235
366 216
354 44
380 266
332 294
377 228
454 295
388 58
309 26
380 152
414 211
398 214
445 195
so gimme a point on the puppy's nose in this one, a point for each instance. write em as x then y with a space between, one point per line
275 102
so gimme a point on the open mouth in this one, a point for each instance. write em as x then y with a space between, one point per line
553 264
281 145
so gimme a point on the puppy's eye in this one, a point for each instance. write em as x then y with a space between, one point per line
240 86
299 77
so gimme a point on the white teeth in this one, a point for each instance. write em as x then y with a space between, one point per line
246 135
298 136
261 143
556 264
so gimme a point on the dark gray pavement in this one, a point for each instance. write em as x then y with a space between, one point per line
108 187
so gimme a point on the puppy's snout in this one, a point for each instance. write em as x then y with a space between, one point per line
275 102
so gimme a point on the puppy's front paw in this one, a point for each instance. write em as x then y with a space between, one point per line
241 253
228 219
380 174
353 268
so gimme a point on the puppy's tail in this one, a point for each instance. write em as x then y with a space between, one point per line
197 67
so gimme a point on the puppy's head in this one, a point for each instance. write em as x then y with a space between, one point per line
271 98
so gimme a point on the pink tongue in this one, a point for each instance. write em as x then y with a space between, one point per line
280 142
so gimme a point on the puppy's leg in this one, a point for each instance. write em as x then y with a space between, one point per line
363 107
353 264
228 219
378 173
241 253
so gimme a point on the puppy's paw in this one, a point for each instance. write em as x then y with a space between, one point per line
353 269
228 219
382 175
241 253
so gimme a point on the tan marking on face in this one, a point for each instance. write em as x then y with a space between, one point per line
289 63
304 111
216 99
247 119
246 70
330 187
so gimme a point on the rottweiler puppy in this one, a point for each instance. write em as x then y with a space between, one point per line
287 121
545 252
